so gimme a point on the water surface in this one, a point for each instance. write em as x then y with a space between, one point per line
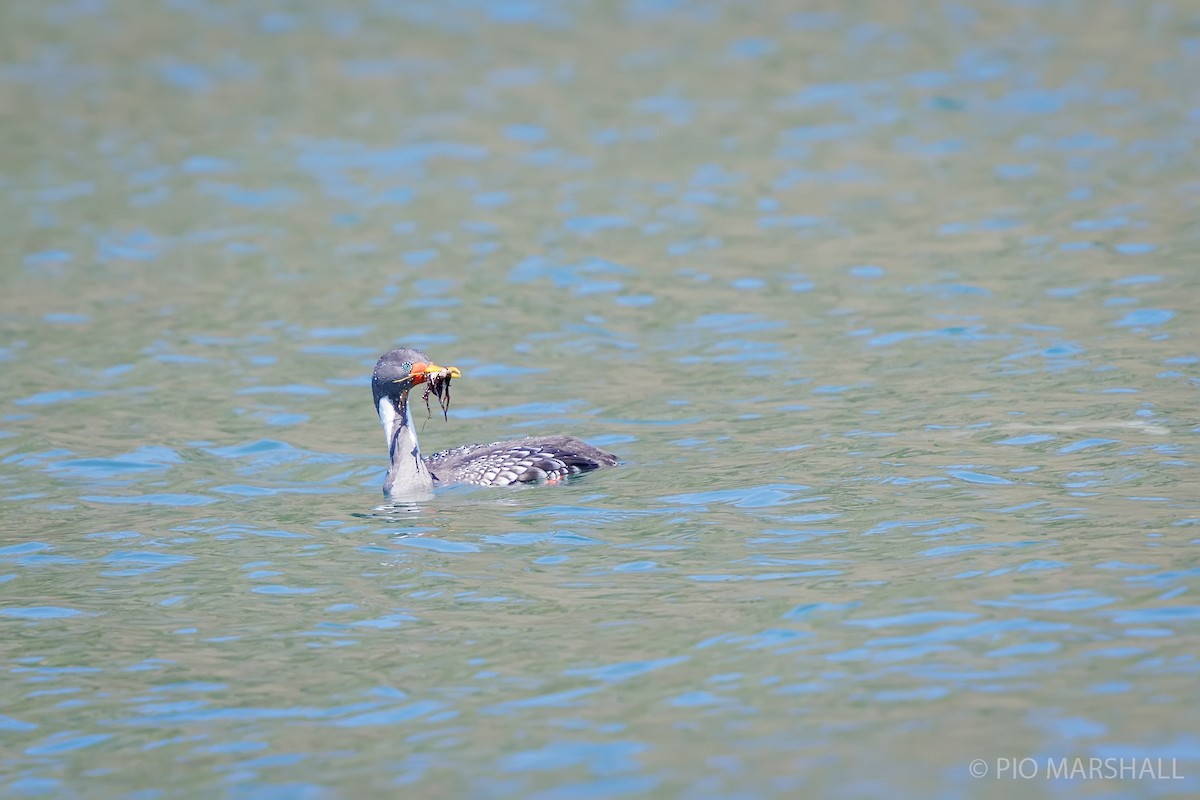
890 312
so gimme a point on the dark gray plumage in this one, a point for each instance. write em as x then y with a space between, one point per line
535 459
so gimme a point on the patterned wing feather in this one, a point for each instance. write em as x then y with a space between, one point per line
545 459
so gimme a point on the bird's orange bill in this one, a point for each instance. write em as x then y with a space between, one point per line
429 372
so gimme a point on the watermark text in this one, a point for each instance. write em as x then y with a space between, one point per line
1067 768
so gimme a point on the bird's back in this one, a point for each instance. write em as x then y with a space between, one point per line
537 459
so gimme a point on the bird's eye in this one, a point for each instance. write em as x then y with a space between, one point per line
406 366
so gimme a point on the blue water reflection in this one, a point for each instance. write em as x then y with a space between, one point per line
888 313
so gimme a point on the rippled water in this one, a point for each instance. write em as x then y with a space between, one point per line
890 311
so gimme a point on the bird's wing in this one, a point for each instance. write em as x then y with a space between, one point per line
534 460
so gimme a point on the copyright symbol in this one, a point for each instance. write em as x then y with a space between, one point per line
978 768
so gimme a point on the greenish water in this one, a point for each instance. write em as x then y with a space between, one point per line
890 312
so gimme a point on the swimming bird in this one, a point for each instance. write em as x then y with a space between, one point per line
535 459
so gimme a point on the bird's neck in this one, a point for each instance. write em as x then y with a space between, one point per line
408 474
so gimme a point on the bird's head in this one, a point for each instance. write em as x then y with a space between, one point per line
397 372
